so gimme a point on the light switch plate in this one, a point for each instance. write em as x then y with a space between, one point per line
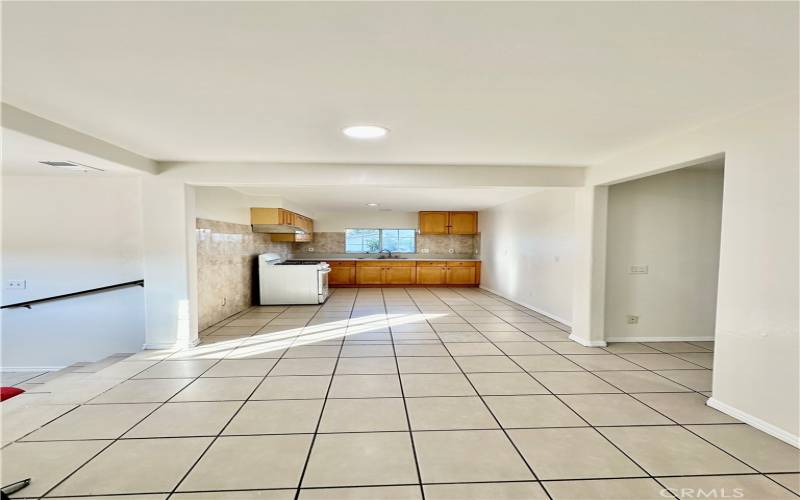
638 270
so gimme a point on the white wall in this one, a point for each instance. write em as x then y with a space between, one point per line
527 251
669 222
337 222
64 234
756 361
228 205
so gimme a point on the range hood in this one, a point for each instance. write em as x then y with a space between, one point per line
276 229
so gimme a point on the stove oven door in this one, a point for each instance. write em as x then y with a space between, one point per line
323 284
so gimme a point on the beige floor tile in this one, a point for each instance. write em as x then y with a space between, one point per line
524 348
546 363
672 450
508 338
149 465
142 391
421 350
427 364
613 409
365 386
22 420
125 369
312 351
685 408
277 417
704 359
234 330
438 384
367 351
250 462
574 382
473 349
487 364
363 493
366 366
464 456
606 489
361 459
699 380
287 494
790 481
504 384
547 334
629 348
571 347
157 496
641 381
441 413
304 366
453 337
675 347
532 411
186 419
659 361
754 447
241 368
46 463
600 362
590 455
485 491
218 389
745 487
362 415
293 387
94 422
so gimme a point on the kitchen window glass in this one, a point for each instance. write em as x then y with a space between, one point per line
375 240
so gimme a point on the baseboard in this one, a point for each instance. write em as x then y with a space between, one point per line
660 339
529 306
585 343
772 430
5 369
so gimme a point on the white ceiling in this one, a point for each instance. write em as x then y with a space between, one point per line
402 199
456 82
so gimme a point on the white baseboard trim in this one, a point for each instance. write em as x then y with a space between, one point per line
585 343
772 430
6 369
529 306
173 346
660 339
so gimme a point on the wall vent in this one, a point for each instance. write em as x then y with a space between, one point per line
71 165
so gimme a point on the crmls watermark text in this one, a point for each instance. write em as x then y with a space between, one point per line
703 493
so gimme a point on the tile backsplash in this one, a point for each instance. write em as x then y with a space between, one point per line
333 243
227 268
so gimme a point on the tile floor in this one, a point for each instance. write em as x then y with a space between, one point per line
402 394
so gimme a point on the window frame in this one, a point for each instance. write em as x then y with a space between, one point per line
380 238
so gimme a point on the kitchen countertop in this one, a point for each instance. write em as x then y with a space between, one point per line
408 259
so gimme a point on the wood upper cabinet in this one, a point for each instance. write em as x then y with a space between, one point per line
448 222
433 222
283 217
463 223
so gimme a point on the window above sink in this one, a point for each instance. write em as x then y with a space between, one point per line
394 240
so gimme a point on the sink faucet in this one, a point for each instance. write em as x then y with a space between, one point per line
384 250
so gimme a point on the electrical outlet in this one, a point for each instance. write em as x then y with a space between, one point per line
452 250
632 320
638 270
15 285
424 250
309 249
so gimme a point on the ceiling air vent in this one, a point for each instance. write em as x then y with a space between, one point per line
71 165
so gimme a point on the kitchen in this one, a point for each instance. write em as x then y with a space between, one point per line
348 240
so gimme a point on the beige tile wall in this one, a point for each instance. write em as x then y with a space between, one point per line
333 243
227 274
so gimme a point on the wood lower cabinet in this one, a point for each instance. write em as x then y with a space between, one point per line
461 275
403 273
431 275
369 275
342 273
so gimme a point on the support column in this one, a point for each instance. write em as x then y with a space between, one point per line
589 281
170 264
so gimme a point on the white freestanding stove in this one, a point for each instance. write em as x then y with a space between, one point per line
292 281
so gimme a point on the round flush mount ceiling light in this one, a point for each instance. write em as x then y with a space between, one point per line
372 204
365 131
